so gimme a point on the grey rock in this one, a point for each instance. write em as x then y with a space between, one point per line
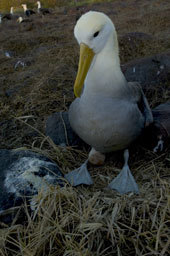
22 174
161 115
149 71
59 130
157 135
153 73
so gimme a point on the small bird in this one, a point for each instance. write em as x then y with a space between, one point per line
109 113
41 10
9 16
27 12
21 20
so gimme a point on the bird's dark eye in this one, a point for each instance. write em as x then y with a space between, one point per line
96 34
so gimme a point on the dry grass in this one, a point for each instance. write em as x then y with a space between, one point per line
92 221
83 220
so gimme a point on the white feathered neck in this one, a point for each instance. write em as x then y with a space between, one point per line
39 4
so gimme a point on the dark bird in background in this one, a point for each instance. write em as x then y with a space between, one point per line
42 10
22 20
27 12
8 16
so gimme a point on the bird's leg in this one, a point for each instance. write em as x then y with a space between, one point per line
124 182
95 157
79 176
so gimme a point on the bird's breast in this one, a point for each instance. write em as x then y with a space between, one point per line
106 124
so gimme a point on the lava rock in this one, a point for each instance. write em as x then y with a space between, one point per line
161 116
22 174
149 71
157 135
59 130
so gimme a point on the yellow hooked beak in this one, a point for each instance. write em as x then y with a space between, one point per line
85 59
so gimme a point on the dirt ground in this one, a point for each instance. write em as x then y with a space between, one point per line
37 80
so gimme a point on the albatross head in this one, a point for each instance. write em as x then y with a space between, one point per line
39 4
24 6
95 34
12 10
20 19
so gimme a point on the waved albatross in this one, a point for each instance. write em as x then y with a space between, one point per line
22 20
27 11
109 113
9 16
41 10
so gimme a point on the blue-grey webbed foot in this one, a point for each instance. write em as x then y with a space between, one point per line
125 181
79 176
